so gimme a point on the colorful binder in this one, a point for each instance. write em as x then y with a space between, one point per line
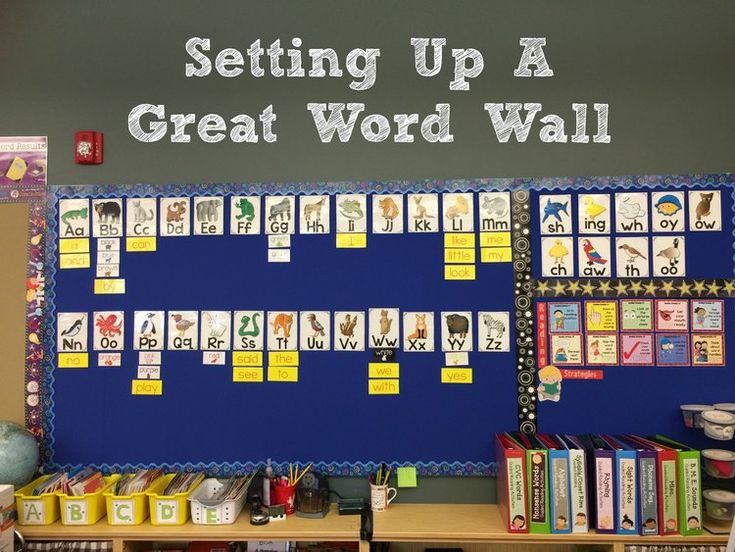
626 490
601 467
577 484
559 503
538 482
512 496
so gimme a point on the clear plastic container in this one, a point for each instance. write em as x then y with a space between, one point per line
719 504
719 463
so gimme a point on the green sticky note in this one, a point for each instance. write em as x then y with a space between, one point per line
407 477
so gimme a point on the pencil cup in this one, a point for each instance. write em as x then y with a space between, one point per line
285 495
380 497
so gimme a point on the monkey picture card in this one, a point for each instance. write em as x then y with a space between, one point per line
555 213
383 328
71 332
456 331
245 216
280 215
314 214
174 216
141 217
387 213
669 256
74 218
215 330
248 329
418 332
632 257
351 213
593 213
316 330
493 332
631 212
458 212
283 331
423 212
494 211
705 211
349 331
209 214
667 211
183 330
107 218
149 329
108 331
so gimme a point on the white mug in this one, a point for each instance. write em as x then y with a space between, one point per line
379 497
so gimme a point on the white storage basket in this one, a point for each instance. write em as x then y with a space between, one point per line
206 510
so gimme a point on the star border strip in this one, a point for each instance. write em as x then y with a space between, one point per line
659 287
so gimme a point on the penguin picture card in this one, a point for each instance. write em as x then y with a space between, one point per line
351 213
108 331
493 332
283 331
183 330
74 218
707 315
174 216
705 211
708 350
383 328
215 330
456 331
349 331
555 212
248 329
107 220
71 332
387 213
636 315
149 329
632 257
593 257
669 256
602 349
209 215
423 212
458 212
672 315
314 214
245 216
141 217
557 257
418 332
494 209
316 330
667 211
564 317
631 212
280 215
593 213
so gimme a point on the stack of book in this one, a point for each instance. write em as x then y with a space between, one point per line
626 484
137 482
182 482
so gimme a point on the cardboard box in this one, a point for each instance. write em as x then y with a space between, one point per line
7 518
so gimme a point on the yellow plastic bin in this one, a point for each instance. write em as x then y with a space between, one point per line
170 509
87 509
36 510
131 509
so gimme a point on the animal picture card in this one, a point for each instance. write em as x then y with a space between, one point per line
423 212
351 213
564 318
602 349
280 214
349 331
183 330
669 256
708 350
140 216
107 270
493 334
383 328
705 211
707 315
601 316
245 218
557 257
107 218
314 214
209 215
316 331
175 216
566 349
672 349
215 330
494 210
631 257
74 217
387 214
636 315
418 332
636 349
456 333
593 213
248 330
556 214
594 257
283 331
667 211
672 315
107 257
108 244
71 332
214 358
631 212
108 333
458 212
148 330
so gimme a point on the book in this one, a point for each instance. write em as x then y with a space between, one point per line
648 491
601 467
626 491
559 504
538 482
579 510
668 487
512 497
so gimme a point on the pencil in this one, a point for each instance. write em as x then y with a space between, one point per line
387 476
303 473
290 473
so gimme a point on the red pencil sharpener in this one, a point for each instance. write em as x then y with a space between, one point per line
88 147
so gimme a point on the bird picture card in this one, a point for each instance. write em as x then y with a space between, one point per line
418 332
566 349
636 315
349 331
140 217
672 315
636 349
209 214
564 317
423 212
669 256
108 332
316 331
594 257
593 213
174 216
280 214
283 331
672 349
107 218
707 315
215 330
557 257
383 328
494 209
314 214
456 331
245 218
71 331
148 331
248 329
458 212
708 350
556 214
602 349
214 358
351 213
667 211
493 334
183 330
601 316
631 212
74 218
387 213
632 257
705 211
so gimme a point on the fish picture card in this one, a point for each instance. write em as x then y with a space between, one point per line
594 257
149 372
708 350
387 213
183 330
349 331
245 217
636 349
148 332
632 257
74 218
458 212
566 349
418 332
631 212
456 331
351 213
707 315
493 334
423 212
215 330
494 209
316 331
602 349
672 315
556 214
601 316
564 318
108 332
283 331
140 216
667 211
175 217
214 358
209 214
149 357
280 215
669 256
109 360
107 218
636 315
593 214
557 257
383 328
314 214
248 330
672 349
705 211
71 331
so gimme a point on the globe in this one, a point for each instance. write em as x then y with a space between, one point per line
18 454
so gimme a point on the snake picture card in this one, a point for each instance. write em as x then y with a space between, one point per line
667 211
209 214
183 330
351 213
593 213
174 216
148 331
71 332
557 257
245 215
493 332
593 258
383 327
555 213
283 331
140 217
349 331
74 218
249 326
108 331
632 257
215 330
456 331
423 212
280 215
107 220
314 214
458 212
316 330
669 256
705 211
494 211
387 213
418 332
631 212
